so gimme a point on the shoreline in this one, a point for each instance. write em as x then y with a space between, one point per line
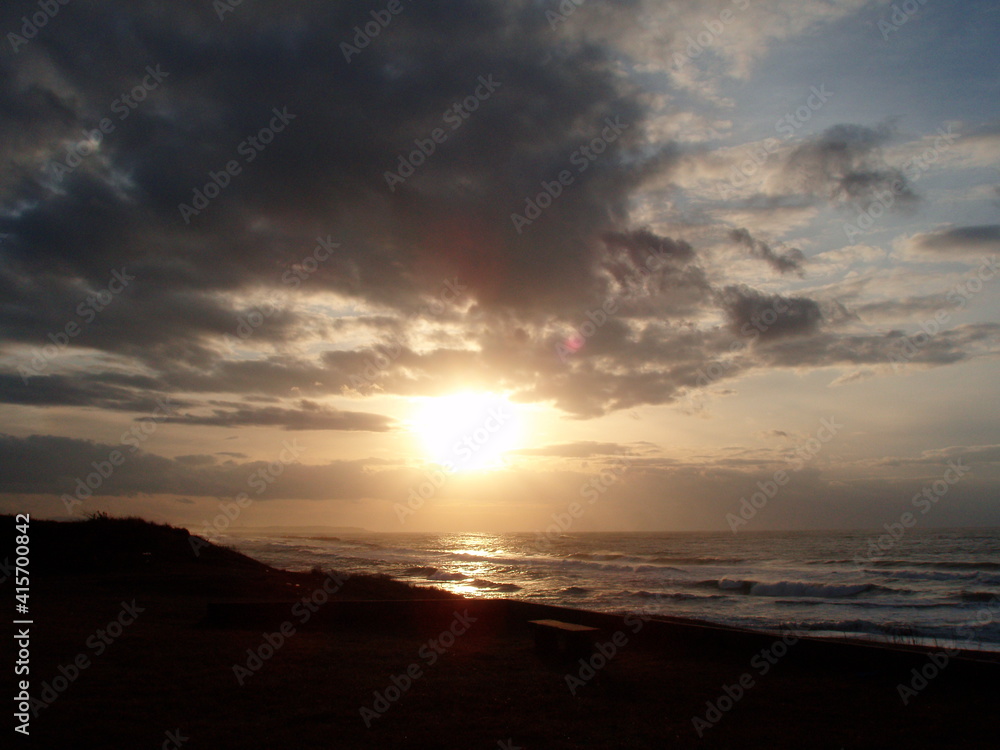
898 633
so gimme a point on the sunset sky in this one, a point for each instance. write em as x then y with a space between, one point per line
649 257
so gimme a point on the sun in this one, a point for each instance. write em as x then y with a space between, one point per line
467 431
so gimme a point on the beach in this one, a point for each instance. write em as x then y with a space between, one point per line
922 586
360 661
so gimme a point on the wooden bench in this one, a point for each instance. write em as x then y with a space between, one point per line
554 637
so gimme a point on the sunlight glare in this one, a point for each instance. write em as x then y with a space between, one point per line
467 431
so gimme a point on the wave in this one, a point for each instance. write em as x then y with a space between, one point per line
443 575
674 595
978 596
434 574
923 575
421 570
732 584
947 564
854 604
480 583
798 588
621 557
975 636
622 564
794 588
840 561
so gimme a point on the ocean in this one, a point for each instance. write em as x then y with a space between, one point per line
927 587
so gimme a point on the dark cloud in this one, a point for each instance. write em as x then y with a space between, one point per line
957 241
43 464
200 459
786 262
644 248
318 192
769 316
309 416
310 276
325 172
113 391
845 165
894 348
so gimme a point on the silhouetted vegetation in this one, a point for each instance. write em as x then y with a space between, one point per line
172 558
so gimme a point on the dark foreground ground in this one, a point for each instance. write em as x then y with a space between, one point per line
167 679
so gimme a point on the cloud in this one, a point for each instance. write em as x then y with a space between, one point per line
112 391
893 348
703 491
312 276
845 166
903 308
578 449
856 376
955 241
789 261
770 434
309 416
972 454
769 316
200 459
42 464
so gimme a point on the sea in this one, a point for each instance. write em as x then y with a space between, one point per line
938 588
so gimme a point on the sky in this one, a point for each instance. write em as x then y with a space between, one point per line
514 265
